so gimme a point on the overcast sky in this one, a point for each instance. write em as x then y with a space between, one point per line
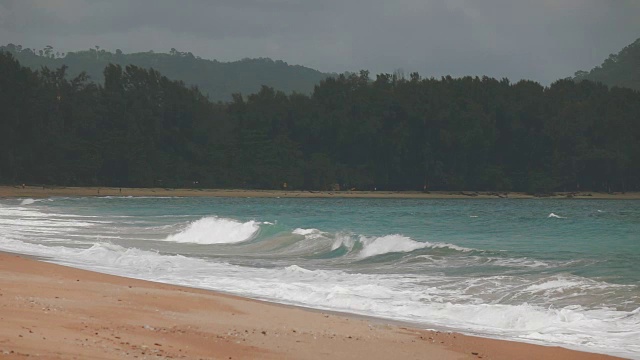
541 40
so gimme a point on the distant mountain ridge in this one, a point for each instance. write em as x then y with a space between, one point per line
622 69
218 80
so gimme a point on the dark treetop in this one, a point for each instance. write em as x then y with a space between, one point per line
622 69
217 80
138 128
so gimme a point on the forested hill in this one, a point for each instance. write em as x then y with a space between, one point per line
142 129
622 69
216 79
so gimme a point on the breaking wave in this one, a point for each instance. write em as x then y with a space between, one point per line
365 247
28 202
388 244
391 272
387 295
214 230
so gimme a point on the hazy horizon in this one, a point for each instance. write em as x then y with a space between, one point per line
541 41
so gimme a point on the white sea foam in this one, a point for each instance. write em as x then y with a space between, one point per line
297 269
28 202
388 244
214 230
552 215
509 306
558 285
25 222
518 262
399 244
555 285
318 241
450 246
307 232
386 295
343 240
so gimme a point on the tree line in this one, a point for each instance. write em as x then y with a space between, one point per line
621 69
218 80
139 129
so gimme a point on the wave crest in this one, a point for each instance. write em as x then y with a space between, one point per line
214 230
388 244
399 244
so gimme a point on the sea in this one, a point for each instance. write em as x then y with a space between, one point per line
562 272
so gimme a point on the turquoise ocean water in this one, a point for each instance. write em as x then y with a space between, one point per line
557 272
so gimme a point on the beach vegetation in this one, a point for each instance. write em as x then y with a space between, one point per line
137 128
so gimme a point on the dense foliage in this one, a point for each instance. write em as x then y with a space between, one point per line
217 80
141 129
622 69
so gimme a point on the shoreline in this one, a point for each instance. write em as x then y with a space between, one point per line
59 191
55 311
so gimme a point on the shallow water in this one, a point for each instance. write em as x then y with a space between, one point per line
562 272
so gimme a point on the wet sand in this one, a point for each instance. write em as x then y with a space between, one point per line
55 312
49 191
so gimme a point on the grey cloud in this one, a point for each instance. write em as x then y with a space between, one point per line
541 40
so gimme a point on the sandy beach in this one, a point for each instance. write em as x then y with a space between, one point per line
48 191
55 312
